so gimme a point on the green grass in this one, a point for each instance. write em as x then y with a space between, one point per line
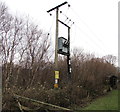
108 102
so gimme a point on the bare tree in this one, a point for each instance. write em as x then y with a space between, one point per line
34 50
110 59
10 28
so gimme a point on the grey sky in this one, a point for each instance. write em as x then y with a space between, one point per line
96 21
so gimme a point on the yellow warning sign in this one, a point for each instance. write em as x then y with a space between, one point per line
56 74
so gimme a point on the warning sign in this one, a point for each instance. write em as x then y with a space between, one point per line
56 74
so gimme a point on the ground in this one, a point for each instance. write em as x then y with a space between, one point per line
108 102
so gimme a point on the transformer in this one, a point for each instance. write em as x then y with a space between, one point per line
63 46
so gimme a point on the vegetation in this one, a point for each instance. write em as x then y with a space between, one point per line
28 70
108 102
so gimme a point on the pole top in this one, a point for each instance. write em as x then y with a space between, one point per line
57 6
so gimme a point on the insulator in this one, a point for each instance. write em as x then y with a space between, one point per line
50 14
68 5
60 11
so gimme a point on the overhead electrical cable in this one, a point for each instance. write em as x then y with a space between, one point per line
84 33
90 30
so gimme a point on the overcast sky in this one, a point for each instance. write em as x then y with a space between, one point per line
96 21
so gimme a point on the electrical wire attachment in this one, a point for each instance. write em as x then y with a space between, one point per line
68 5
48 34
50 14
60 11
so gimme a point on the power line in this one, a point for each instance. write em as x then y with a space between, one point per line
89 29
90 39
82 31
69 20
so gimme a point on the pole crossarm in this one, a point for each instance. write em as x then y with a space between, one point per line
57 7
64 23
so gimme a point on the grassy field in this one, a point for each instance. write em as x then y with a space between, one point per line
108 102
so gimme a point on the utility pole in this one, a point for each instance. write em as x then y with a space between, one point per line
68 56
56 43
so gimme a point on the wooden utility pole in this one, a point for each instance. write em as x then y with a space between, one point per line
56 43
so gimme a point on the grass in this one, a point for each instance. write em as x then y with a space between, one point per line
108 102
